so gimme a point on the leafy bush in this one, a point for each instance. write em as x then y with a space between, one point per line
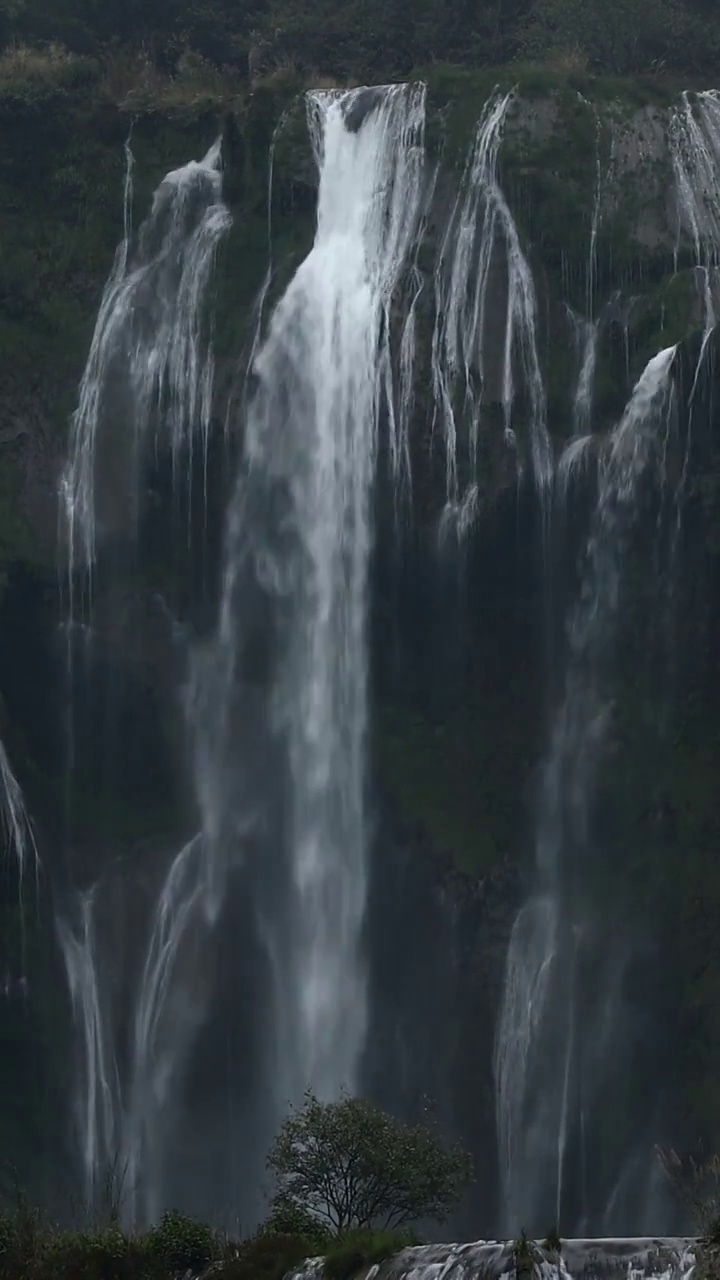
364 1249
290 1219
181 1244
24 1236
32 1248
269 1256
106 1255
33 72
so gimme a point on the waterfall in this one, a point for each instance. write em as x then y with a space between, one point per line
122 1115
595 220
586 340
296 560
479 226
533 1036
97 1084
166 1017
77 487
147 386
16 824
694 142
587 329
574 461
149 367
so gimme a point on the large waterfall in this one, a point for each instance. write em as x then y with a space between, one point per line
324 798
297 550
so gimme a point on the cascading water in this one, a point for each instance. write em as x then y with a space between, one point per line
534 1068
641 1258
149 370
695 151
15 821
297 549
97 1098
586 340
148 382
480 229
276 700
166 1017
19 844
587 328
694 142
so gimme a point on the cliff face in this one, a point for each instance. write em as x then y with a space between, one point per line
466 649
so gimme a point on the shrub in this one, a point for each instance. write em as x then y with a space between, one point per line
179 1243
31 72
364 1249
290 1219
24 1236
269 1256
105 1255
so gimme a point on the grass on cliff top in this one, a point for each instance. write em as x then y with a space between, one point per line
120 78
540 79
131 81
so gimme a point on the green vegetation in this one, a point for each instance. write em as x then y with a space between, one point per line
696 1184
340 1168
360 1249
349 1165
553 1242
32 1247
171 49
526 1256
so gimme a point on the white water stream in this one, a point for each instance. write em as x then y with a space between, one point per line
533 1054
300 532
481 254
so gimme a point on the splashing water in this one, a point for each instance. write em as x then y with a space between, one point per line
536 1018
298 542
640 1258
481 222
148 362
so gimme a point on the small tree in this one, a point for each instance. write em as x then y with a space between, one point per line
349 1166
